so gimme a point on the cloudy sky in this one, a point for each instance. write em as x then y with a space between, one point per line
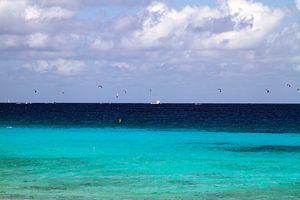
184 50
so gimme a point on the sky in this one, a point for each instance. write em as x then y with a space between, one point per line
173 50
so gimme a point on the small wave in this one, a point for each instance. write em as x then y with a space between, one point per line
9 127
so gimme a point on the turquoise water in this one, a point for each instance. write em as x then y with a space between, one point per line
127 163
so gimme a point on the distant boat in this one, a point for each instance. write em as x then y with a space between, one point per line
156 103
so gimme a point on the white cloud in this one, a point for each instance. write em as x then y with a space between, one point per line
261 21
11 8
236 24
101 44
69 67
41 66
297 2
10 41
22 16
195 37
95 3
121 65
59 66
37 40
37 13
26 24
284 45
23 9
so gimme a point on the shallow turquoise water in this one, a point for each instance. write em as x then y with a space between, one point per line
124 163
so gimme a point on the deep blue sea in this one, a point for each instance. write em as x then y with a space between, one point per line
143 151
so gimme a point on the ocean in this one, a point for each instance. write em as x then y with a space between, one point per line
143 151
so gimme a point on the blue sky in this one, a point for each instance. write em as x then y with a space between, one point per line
182 50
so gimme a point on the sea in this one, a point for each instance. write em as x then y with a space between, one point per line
144 151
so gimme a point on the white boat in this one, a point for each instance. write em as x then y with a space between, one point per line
156 103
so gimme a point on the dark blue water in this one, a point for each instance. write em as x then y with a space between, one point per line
267 118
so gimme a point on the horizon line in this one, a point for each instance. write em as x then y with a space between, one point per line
151 103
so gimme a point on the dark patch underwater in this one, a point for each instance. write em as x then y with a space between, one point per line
266 148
